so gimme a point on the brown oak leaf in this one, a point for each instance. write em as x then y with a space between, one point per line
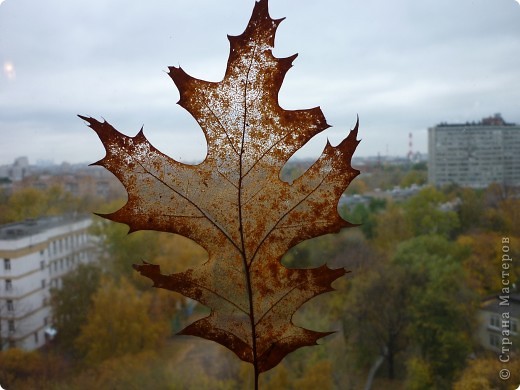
234 203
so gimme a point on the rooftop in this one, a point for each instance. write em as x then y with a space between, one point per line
495 120
494 304
30 227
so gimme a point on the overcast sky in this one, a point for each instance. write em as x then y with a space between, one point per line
402 65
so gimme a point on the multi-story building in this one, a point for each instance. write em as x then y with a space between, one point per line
34 256
474 154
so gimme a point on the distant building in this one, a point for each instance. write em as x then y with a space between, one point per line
34 256
93 183
80 180
17 171
474 154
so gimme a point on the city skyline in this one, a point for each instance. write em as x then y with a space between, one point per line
402 67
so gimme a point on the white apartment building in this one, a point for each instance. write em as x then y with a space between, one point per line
499 316
34 256
474 154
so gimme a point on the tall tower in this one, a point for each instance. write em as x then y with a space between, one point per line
410 147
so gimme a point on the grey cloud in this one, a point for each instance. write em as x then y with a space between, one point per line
401 65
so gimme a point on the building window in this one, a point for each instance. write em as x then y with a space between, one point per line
11 326
7 264
36 337
42 265
494 340
8 285
494 321
10 305
44 283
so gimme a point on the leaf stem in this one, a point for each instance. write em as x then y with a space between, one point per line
241 227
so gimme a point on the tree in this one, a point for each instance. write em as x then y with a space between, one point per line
72 302
119 323
443 307
470 209
509 213
392 227
119 250
58 201
30 203
365 215
417 177
4 208
419 375
29 370
424 213
417 307
319 375
358 186
353 252
142 370
484 260
483 374
26 203
376 316
278 378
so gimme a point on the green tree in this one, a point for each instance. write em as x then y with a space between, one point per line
358 186
470 210
420 376
72 302
425 216
26 203
392 227
365 215
376 317
30 203
58 201
119 323
417 177
120 250
416 311
442 306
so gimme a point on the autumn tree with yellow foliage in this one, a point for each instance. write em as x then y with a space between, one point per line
119 323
